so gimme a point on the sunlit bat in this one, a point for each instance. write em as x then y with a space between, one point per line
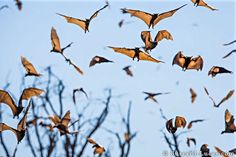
203 4
205 151
179 122
222 153
190 124
218 70
98 59
84 24
30 69
229 123
229 43
149 43
21 127
128 71
123 22
193 95
152 96
150 19
188 62
78 90
98 149
135 53
4 6
227 55
19 4
191 140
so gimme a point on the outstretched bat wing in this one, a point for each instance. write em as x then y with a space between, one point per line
229 95
222 153
7 99
196 63
205 89
126 51
29 67
22 124
163 34
179 59
28 93
146 36
55 40
96 13
66 119
98 59
147 57
227 55
4 127
204 4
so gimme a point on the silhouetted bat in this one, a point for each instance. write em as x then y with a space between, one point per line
19 4
149 43
193 95
150 19
21 126
135 53
233 151
152 96
218 70
84 24
229 43
227 55
190 124
205 151
31 71
4 6
98 149
191 139
229 123
188 62
122 22
98 59
78 90
179 122
203 4
222 153
128 71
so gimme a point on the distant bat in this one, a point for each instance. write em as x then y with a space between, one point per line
203 4
227 55
218 70
84 24
98 59
48 126
31 71
128 71
78 90
98 149
191 140
229 43
205 151
188 62
135 53
4 6
179 122
21 127
229 123
19 4
193 95
150 19
222 153
122 22
190 124
152 96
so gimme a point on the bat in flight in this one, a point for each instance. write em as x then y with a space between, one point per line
227 55
128 71
98 149
190 124
123 22
30 69
205 151
188 62
135 53
229 123
193 140
78 90
203 4
84 24
222 153
152 96
98 60
179 122
4 6
193 95
218 70
229 43
21 126
19 4
150 19
149 43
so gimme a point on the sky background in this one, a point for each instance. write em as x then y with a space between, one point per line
196 31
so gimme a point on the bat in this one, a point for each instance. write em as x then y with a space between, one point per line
227 55
150 19
149 43
4 6
203 4
98 60
21 126
214 104
191 139
229 43
151 96
190 124
31 122
122 22
188 62
218 70
98 149
205 151
222 153
78 90
233 151
19 4
193 95
135 53
179 122
48 126
84 24
30 69
128 71
229 123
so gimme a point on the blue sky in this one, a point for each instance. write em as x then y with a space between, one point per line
196 31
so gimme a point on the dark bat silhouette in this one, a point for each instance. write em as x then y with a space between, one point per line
21 126
190 124
98 149
203 4
191 140
153 95
188 62
218 70
123 22
229 43
84 24
205 151
135 53
179 122
78 90
149 43
128 71
4 6
229 123
193 95
30 69
98 59
19 4
227 55
150 19
233 151
222 153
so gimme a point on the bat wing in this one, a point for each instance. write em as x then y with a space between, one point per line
180 122
204 4
98 59
66 119
163 34
229 95
147 57
227 55
146 17
146 36
4 127
55 40
196 63
229 43
91 141
126 51
7 99
22 124
55 119
166 15
209 96
77 69
222 153
128 71
30 92
29 67
193 95
169 126
179 59
96 13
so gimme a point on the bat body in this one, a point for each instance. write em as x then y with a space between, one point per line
150 19
19 4
191 140
229 123
205 151
187 63
227 55
218 70
128 71
179 122
193 95
135 53
78 90
203 4
98 60
152 96
98 149
30 69
190 124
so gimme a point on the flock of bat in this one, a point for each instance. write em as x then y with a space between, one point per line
151 20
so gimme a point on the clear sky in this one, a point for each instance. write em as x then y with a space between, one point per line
196 31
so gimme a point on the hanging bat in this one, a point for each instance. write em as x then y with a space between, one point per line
188 62
149 43
122 22
150 19
78 90
229 123
218 70
227 55
203 4
151 96
98 149
135 53
222 153
190 124
21 126
128 71
193 95
98 59
84 24
229 43
30 69
19 4
179 122
191 140
205 151
4 6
